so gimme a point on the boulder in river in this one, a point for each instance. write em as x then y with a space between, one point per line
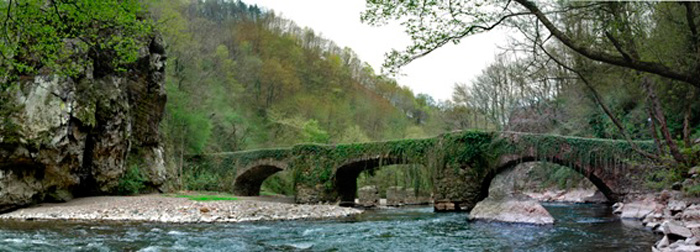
637 209
511 210
674 228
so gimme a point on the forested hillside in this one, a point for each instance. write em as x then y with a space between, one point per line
241 78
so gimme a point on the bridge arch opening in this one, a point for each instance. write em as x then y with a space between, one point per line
597 182
346 176
249 181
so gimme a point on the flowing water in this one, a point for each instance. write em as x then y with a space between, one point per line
582 227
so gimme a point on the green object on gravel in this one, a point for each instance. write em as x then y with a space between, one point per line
206 197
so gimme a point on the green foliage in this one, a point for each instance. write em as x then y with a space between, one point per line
692 154
693 190
353 134
417 177
241 75
313 133
132 182
205 197
35 33
201 180
661 178
279 183
553 175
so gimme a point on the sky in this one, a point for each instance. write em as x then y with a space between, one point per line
434 74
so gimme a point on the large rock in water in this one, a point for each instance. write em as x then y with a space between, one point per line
512 210
638 209
72 136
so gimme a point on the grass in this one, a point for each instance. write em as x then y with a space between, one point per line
204 197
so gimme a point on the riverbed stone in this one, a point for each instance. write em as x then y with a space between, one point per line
680 246
676 205
675 228
694 170
637 209
511 210
597 197
664 242
691 213
445 206
617 207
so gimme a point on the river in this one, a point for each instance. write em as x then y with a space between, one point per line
579 227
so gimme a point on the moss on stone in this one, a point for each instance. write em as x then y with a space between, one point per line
460 161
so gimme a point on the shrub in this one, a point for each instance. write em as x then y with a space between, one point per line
132 182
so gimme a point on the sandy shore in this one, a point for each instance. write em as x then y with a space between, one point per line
159 208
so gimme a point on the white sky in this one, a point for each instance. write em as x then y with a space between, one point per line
434 74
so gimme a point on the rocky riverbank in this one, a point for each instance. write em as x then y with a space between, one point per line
667 213
159 208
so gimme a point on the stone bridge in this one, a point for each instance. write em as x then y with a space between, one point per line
462 163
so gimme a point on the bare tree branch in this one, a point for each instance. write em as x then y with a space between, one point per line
601 103
645 66
461 35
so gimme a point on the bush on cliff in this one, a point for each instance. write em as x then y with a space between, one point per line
133 182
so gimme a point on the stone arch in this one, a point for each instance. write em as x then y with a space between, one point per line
249 179
346 175
510 161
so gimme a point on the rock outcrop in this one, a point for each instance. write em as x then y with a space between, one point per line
73 135
511 210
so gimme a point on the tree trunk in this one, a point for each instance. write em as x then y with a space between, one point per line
182 157
654 133
659 115
686 117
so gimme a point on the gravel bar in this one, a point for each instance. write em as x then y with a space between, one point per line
159 208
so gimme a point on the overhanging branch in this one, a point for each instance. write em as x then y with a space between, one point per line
644 66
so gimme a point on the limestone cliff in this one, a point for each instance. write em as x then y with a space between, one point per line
72 136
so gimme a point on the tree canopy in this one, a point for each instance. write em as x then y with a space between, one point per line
617 33
40 33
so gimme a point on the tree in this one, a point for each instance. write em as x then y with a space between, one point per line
48 33
620 38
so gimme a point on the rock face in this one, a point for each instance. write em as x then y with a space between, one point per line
72 135
512 210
